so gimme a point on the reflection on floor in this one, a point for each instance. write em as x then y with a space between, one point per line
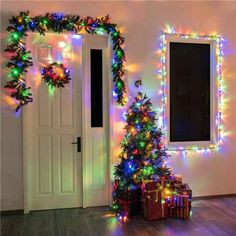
210 217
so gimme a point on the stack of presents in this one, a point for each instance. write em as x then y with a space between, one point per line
165 198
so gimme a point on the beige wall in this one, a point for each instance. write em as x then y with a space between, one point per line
141 23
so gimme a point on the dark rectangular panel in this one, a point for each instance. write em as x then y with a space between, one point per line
189 92
96 88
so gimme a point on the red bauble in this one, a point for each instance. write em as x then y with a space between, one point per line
116 184
135 152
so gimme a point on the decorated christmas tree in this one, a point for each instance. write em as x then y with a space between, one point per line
142 157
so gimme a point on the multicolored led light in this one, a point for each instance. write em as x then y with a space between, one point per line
58 22
218 40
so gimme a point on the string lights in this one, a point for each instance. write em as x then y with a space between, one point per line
218 42
58 22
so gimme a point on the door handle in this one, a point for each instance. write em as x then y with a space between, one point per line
78 144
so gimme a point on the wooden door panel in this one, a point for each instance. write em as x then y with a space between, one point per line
44 164
44 108
66 105
67 163
55 163
96 145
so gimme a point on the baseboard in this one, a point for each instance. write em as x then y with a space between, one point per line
214 196
12 212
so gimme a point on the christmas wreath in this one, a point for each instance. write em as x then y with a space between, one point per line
55 75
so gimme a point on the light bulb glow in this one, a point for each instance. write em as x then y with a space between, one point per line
162 74
15 72
61 44
115 34
15 36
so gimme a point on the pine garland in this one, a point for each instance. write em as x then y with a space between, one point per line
56 22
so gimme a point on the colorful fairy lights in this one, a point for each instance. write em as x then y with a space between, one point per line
57 22
162 74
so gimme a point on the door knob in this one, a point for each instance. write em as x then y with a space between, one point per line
78 144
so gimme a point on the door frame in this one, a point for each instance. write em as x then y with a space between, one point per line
27 121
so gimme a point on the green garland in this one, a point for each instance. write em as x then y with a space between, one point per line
21 60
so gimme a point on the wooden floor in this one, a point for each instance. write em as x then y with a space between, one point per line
210 217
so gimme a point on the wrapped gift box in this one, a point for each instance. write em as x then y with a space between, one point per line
130 207
153 206
182 210
148 186
178 179
184 189
172 212
180 203
153 185
130 200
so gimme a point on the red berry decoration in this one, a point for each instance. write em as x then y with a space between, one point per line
56 75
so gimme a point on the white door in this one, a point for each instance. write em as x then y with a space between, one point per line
56 174
95 162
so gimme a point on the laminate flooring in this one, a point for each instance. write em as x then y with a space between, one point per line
209 217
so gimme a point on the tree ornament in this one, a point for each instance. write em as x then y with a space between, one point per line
55 75
135 152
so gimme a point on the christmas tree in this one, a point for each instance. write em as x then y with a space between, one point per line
143 154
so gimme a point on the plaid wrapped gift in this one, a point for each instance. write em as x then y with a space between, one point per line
184 189
179 207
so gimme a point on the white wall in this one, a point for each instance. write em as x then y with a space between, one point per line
141 23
